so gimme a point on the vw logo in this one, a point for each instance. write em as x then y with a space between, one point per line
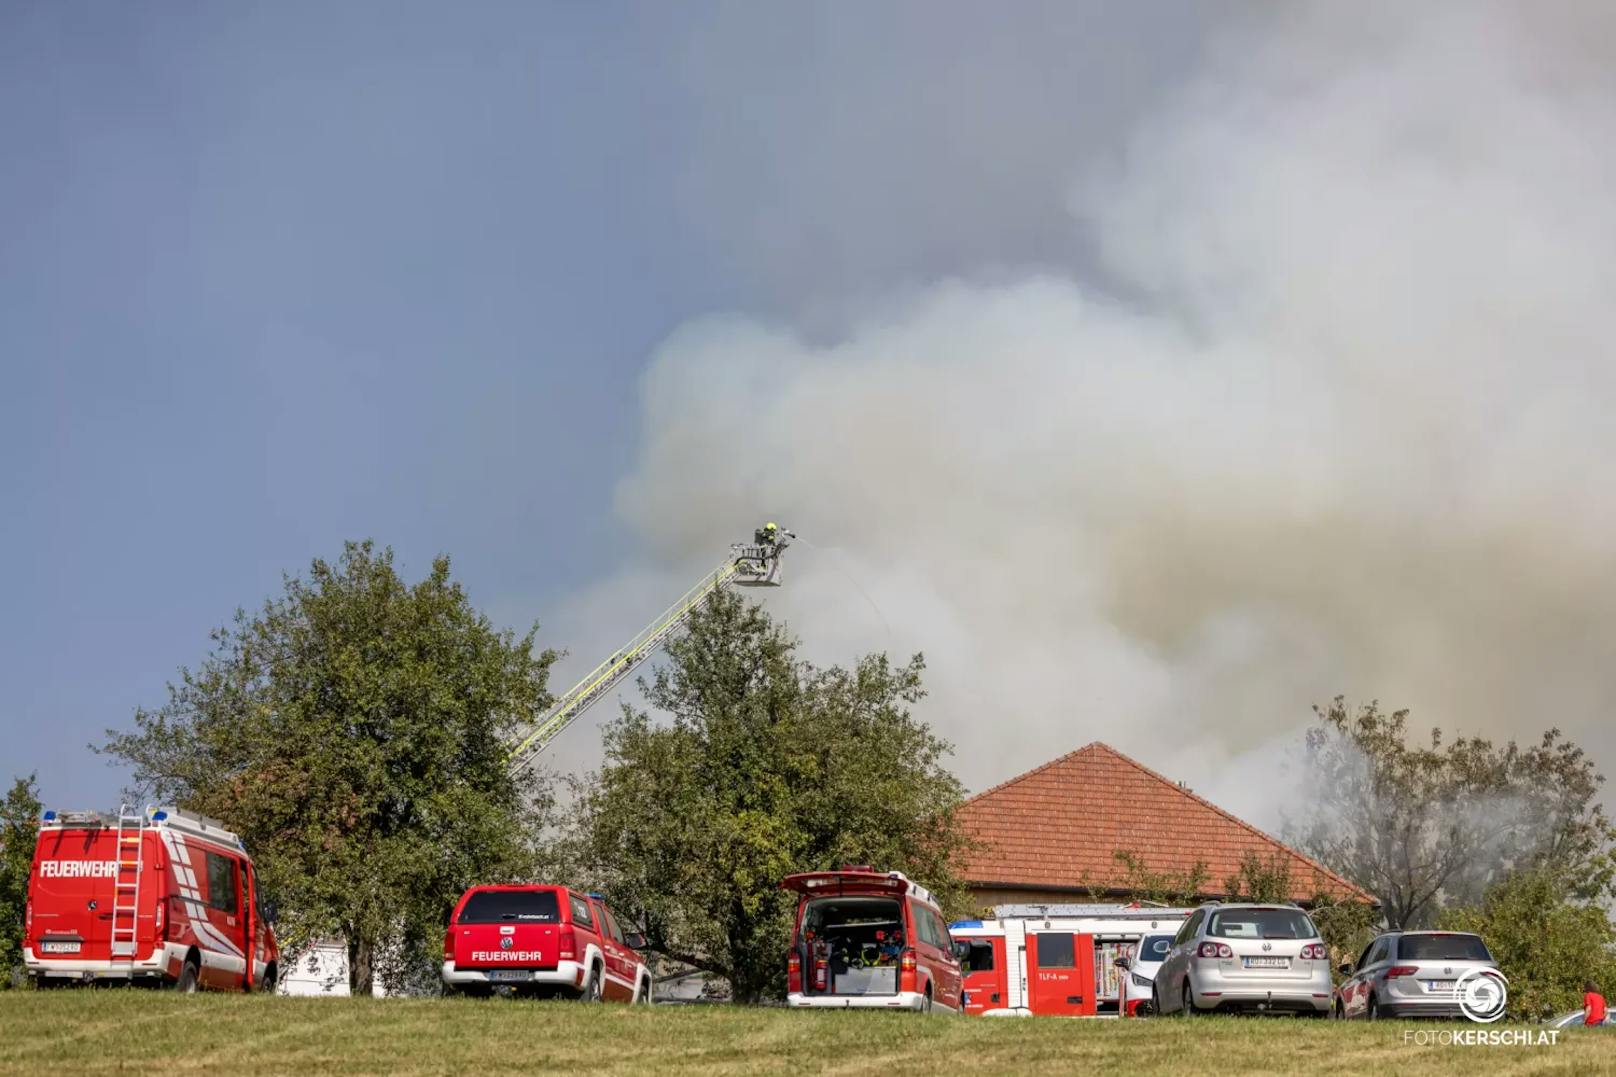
1267 946
506 943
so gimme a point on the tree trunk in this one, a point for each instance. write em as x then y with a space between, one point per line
360 973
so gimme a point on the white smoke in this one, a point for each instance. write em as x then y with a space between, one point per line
1340 420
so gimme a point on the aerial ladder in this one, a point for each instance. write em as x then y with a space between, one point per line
749 564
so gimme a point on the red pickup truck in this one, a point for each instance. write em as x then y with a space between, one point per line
542 940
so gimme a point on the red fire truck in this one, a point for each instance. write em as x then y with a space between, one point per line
156 897
1054 960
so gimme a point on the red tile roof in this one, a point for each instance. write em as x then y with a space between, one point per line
1060 827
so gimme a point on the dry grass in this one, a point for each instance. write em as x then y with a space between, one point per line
146 1032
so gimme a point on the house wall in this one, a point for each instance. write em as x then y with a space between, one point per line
319 969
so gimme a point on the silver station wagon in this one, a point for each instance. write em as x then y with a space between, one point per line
1264 958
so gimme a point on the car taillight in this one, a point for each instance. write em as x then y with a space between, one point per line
1402 970
794 973
27 917
1214 949
1314 951
568 943
448 945
157 925
907 972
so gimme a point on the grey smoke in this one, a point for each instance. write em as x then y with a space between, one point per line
1338 420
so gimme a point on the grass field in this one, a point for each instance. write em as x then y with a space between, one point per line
136 1031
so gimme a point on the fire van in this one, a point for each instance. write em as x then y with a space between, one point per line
869 939
160 897
1054 960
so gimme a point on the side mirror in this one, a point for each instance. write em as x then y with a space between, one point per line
1345 968
268 912
1122 963
962 950
634 940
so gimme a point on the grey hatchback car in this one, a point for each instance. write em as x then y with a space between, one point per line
1267 958
1413 974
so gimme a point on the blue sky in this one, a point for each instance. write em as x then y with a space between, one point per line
277 275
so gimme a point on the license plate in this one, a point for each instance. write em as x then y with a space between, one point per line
1442 986
61 947
1268 962
510 974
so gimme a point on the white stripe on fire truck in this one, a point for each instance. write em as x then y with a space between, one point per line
196 909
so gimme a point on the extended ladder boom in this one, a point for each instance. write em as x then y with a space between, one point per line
748 565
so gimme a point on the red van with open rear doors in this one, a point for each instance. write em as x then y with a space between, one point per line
867 939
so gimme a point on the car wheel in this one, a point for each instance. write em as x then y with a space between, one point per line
1340 1011
925 1003
1373 1011
591 988
190 978
1155 997
1189 1000
268 986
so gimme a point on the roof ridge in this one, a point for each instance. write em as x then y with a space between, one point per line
1039 769
1186 791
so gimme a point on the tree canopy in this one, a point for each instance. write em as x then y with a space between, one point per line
765 765
1547 942
353 732
19 827
1425 826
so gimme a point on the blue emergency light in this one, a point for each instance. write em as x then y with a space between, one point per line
50 816
158 816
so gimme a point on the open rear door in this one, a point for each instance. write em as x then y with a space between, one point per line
838 883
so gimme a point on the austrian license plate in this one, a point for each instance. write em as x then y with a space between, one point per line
60 946
1267 962
510 975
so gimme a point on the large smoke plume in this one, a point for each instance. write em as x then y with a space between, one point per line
1331 412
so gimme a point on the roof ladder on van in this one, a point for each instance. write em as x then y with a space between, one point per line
129 857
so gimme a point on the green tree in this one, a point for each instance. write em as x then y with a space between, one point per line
1423 826
1133 876
19 826
1346 925
767 765
353 732
1547 941
1259 880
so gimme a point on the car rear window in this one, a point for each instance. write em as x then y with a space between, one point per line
1442 948
504 906
1261 924
1155 947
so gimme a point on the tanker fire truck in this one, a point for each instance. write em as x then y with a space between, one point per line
1055 960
